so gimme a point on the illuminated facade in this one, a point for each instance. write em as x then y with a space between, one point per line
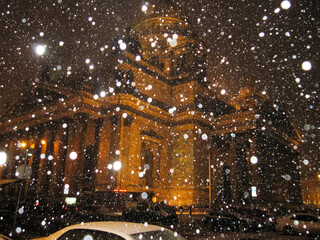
152 109
311 192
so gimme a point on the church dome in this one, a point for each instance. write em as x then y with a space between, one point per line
162 8
162 16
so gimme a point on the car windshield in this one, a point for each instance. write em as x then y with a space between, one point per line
157 235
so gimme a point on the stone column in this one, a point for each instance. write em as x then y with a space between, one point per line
42 174
61 153
104 178
125 171
35 164
55 185
49 158
216 182
234 170
74 167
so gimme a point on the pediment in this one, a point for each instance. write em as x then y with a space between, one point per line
36 97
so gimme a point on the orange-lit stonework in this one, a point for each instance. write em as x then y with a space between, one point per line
161 119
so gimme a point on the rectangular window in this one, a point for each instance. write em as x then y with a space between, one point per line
254 191
70 200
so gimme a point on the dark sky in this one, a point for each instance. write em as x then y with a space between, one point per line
247 39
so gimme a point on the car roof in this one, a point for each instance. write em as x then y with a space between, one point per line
119 228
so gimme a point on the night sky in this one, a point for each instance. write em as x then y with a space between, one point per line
266 41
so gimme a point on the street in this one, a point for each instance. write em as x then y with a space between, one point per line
189 226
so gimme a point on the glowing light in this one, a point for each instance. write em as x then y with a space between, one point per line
66 189
3 158
40 50
175 36
138 58
43 142
23 144
277 10
261 34
254 191
117 165
285 4
73 155
87 61
306 65
61 43
223 92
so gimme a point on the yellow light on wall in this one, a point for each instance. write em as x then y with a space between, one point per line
23 144
319 176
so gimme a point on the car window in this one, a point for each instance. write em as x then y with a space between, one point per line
306 218
85 234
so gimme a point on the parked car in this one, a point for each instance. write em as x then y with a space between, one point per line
257 220
303 223
149 212
113 230
222 221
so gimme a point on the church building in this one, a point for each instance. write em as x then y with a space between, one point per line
150 121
